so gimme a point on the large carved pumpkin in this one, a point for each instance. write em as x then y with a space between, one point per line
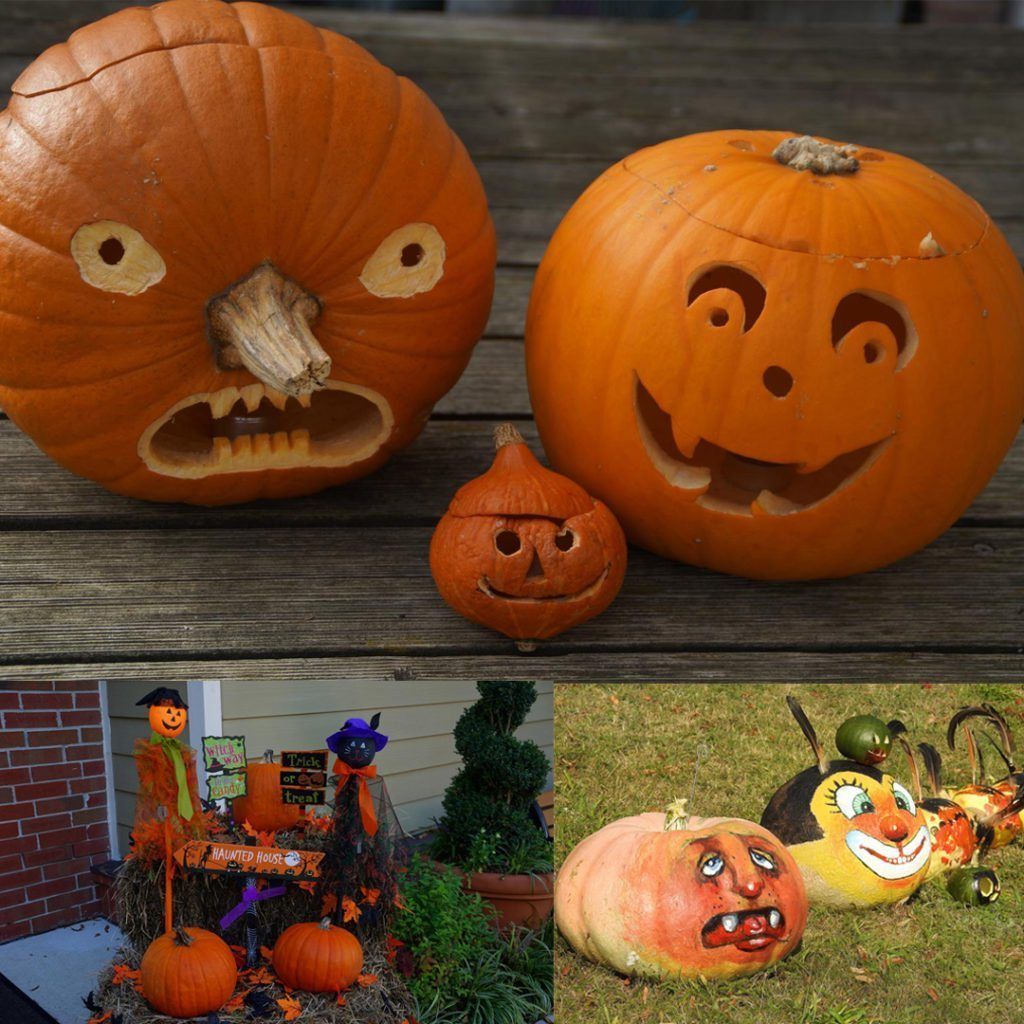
786 366
239 258
664 895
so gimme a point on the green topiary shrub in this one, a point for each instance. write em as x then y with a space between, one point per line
486 824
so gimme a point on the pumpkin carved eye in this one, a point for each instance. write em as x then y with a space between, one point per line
860 308
565 540
507 542
116 258
734 279
409 261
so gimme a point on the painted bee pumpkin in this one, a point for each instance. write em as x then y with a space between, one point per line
671 896
776 357
239 258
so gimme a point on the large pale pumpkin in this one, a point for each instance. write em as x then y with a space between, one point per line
781 359
670 896
239 258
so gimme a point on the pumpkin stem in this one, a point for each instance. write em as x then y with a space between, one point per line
676 816
262 323
506 433
805 153
182 937
268 756
325 924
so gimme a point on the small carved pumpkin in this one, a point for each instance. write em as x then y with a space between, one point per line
317 957
675 897
781 358
263 806
189 972
239 258
524 550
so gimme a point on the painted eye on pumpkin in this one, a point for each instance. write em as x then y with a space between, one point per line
116 258
409 261
852 801
904 801
762 860
507 542
712 866
725 276
859 308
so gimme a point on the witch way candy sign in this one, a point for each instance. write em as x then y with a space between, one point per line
224 760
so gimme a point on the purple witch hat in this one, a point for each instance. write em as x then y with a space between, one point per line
357 728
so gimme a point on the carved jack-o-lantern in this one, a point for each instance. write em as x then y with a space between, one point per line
239 258
776 358
678 897
168 713
524 550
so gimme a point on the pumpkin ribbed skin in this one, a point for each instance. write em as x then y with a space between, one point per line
868 427
188 980
632 898
228 137
262 806
316 957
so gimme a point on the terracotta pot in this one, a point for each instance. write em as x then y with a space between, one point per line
518 899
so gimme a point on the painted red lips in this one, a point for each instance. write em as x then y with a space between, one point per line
748 930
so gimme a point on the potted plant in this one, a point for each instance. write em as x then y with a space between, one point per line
487 832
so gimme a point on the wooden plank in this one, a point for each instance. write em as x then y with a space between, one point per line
413 489
342 592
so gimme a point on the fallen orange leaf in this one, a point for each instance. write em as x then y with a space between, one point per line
292 1008
366 980
370 896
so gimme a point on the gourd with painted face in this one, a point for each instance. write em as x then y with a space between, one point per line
239 258
168 713
855 831
777 357
675 896
524 550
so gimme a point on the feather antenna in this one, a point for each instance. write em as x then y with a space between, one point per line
932 766
1005 735
915 772
808 730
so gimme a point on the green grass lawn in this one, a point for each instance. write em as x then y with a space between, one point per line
622 749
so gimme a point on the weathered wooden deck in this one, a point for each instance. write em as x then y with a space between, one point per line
92 584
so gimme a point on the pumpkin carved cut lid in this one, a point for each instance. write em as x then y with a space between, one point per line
872 205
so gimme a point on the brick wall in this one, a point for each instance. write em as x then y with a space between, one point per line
53 805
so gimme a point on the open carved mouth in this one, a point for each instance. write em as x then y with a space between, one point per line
889 861
731 482
749 930
486 587
240 430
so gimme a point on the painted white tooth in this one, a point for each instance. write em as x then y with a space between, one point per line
242 446
221 449
771 504
774 917
277 398
251 395
220 402
730 921
299 441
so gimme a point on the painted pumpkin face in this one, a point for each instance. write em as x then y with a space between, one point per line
167 720
178 330
857 834
526 551
952 832
718 898
779 389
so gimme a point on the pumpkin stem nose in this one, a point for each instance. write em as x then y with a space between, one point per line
263 323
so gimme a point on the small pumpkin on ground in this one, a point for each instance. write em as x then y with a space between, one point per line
188 972
180 331
674 896
974 886
525 550
778 357
317 957
262 806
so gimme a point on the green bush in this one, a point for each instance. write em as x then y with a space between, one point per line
463 971
486 824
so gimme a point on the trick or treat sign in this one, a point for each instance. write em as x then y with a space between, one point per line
264 861
224 761
303 777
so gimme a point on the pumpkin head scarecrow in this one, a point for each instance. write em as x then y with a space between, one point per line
857 834
239 258
777 357
524 550
674 896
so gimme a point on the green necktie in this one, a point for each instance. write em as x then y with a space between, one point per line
173 751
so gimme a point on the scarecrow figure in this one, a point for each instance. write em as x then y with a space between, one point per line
168 812
365 830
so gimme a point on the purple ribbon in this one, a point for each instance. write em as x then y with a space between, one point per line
250 895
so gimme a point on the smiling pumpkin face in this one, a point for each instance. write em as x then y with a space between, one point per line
858 835
166 719
239 258
773 371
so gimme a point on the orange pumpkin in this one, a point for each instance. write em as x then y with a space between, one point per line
168 719
796 365
317 957
239 258
189 972
672 896
262 806
524 550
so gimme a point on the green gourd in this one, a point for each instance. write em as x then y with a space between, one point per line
974 887
864 739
